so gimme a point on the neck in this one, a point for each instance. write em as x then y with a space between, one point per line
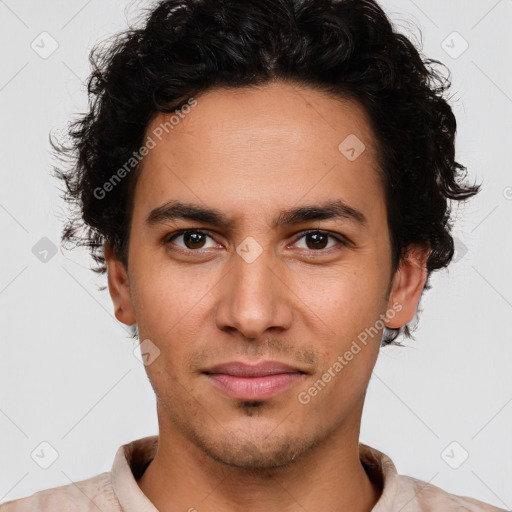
330 476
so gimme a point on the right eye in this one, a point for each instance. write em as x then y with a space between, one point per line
192 239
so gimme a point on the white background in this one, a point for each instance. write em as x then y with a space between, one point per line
68 375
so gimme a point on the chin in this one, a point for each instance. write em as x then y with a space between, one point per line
255 453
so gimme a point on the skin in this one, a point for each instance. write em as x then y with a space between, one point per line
251 153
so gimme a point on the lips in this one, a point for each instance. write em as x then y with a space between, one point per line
253 382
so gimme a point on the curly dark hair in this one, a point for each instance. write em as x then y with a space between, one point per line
347 48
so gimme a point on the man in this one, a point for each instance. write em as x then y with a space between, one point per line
266 185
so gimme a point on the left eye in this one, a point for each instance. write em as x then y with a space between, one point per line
318 240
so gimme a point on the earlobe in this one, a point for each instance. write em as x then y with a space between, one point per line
119 287
408 283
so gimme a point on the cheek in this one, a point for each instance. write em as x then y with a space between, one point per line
332 394
350 307
350 353
171 307
166 297
346 300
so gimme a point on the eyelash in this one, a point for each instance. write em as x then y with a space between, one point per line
342 241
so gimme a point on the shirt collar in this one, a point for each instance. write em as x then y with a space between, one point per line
132 459
129 463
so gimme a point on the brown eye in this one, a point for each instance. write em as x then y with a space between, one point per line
192 240
316 240
319 240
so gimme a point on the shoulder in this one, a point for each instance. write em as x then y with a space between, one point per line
84 496
420 495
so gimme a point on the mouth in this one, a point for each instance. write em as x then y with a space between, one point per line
254 382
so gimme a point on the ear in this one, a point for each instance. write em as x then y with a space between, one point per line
408 283
119 287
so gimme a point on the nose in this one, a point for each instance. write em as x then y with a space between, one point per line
255 299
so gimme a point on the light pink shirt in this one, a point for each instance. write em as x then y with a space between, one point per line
117 490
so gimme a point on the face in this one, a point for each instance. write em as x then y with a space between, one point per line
286 258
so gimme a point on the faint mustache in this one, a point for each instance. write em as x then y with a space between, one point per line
269 348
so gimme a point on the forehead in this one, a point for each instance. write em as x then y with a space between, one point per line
261 146
271 113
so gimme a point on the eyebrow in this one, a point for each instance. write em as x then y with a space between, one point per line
173 210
